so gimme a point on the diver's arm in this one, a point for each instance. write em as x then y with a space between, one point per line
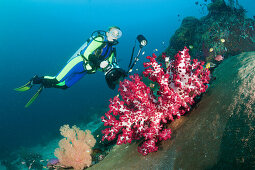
110 63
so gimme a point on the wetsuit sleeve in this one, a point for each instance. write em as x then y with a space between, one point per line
112 59
93 46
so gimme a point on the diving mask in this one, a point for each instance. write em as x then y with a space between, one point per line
115 33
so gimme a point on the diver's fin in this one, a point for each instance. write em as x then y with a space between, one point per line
24 87
34 97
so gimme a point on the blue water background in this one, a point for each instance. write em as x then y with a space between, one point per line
39 36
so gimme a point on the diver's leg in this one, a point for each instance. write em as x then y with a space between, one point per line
48 82
72 72
75 77
69 75
69 69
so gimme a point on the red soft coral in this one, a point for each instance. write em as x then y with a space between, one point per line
141 114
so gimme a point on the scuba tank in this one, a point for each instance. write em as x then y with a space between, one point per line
77 53
92 37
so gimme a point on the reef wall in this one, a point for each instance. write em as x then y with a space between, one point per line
224 31
217 134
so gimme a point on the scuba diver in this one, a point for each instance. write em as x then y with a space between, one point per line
98 53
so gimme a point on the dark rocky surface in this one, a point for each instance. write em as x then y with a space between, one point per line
217 134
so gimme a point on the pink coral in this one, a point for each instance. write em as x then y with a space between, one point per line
141 114
75 149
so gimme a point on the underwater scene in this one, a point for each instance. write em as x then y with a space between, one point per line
124 84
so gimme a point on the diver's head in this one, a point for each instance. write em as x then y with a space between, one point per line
113 33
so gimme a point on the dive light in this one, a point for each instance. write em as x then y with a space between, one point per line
142 40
